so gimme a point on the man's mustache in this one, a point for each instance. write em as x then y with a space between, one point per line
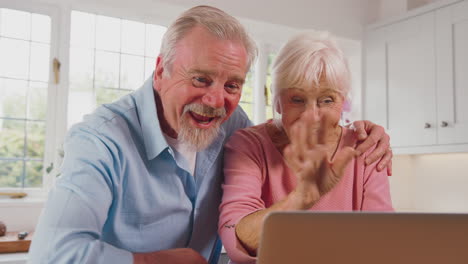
205 110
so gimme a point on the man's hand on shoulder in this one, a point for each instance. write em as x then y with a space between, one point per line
170 256
371 134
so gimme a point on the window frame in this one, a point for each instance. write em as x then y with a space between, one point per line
50 155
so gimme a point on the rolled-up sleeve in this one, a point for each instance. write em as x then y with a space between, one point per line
69 230
242 191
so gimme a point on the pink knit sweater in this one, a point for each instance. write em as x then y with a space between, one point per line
256 177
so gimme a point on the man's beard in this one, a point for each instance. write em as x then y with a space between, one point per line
200 138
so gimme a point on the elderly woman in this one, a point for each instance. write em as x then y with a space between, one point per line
303 161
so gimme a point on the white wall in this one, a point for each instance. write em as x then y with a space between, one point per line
378 10
430 183
418 3
343 17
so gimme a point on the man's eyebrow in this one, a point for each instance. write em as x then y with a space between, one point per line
236 78
201 71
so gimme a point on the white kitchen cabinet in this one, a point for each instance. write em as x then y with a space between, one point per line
416 80
401 80
452 73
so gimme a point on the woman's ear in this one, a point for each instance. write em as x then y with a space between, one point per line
278 107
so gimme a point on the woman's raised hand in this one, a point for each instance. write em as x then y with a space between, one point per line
310 159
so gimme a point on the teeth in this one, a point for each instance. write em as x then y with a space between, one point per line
203 114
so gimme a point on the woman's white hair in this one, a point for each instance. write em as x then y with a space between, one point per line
308 59
216 21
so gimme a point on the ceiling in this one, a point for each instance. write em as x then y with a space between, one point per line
342 17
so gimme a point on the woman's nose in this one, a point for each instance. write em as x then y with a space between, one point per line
312 112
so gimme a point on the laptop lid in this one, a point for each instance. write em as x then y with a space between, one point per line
364 238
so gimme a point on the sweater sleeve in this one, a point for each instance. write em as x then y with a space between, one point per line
242 190
376 192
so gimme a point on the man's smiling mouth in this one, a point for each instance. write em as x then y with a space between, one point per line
202 118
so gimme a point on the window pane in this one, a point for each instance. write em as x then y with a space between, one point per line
15 24
119 61
82 29
37 102
39 70
131 72
25 67
247 88
14 62
133 40
105 96
81 102
248 109
40 28
13 99
107 33
12 173
34 173
154 34
11 138
82 68
107 69
150 64
35 139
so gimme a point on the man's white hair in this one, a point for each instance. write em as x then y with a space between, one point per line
216 21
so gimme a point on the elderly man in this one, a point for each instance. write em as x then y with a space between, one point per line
141 177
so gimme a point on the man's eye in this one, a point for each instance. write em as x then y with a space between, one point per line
200 81
232 88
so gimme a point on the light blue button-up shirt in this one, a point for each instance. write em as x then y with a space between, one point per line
122 191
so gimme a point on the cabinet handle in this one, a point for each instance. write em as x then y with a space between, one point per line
444 124
427 125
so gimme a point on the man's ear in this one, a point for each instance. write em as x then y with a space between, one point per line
158 73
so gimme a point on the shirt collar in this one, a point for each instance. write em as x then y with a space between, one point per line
153 137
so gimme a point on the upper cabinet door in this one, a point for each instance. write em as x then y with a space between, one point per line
452 73
400 74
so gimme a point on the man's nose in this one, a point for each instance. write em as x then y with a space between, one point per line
214 97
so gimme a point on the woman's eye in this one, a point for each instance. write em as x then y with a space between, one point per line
297 100
200 81
326 100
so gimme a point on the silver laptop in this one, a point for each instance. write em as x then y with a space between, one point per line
364 238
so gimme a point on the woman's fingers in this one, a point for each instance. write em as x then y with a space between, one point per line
294 147
312 129
291 158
